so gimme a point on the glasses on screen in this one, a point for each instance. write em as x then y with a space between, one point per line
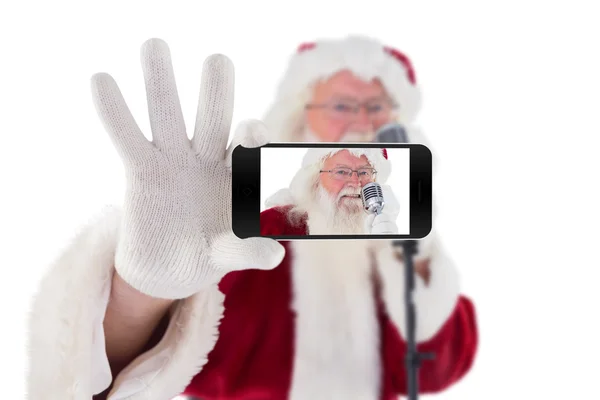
346 174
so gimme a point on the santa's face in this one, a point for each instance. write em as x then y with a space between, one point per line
344 191
345 108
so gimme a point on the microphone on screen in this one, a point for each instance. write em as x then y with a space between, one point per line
372 198
371 193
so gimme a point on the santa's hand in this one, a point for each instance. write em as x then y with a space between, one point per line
382 224
176 234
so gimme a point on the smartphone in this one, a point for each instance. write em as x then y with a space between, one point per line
292 191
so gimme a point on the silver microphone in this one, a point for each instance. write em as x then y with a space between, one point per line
391 133
372 198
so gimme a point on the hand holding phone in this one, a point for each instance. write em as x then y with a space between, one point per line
382 224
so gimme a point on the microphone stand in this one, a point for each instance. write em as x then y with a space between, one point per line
413 357
395 133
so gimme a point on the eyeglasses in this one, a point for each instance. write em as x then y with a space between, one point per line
346 109
345 174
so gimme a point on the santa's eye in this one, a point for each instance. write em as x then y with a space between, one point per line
342 172
342 107
374 108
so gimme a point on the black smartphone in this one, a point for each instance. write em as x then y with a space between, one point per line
332 191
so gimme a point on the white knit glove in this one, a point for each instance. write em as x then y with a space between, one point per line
176 235
382 224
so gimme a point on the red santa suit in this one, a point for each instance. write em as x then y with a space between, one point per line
306 330
257 348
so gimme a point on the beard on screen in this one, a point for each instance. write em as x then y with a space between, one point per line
339 214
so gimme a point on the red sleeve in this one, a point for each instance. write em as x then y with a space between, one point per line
454 346
272 222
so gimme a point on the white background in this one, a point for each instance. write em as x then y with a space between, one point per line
511 102
280 165
277 169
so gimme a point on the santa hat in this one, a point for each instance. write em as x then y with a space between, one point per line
364 57
311 164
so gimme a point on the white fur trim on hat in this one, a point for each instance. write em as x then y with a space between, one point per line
282 197
365 57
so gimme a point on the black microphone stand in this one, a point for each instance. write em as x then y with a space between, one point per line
413 357
395 133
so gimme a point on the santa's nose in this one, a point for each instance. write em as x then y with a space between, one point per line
362 124
363 118
354 182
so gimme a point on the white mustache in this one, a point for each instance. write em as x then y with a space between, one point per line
348 191
358 137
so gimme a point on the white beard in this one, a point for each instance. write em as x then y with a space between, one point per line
337 332
349 137
309 136
329 215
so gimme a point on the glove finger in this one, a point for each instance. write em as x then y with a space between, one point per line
116 117
385 227
369 222
392 205
164 108
215 108
232 253
250 134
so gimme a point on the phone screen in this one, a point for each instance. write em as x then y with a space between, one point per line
279 167
332 191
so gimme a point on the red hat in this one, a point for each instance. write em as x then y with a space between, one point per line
364 57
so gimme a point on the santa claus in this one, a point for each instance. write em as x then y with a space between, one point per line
325 194
160 298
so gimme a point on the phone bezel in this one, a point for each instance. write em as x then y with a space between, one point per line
246 198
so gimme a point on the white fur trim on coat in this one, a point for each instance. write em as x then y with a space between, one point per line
165 371
435 302
67 357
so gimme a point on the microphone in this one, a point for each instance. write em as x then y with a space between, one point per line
391 133
372 198
395 133
371 193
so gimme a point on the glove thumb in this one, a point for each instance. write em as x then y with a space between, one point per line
232 253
